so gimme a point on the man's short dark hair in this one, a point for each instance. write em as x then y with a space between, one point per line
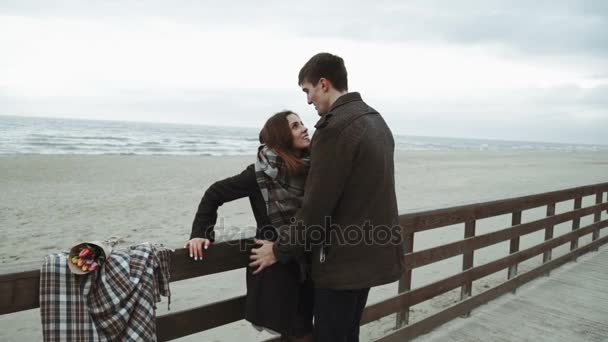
325 65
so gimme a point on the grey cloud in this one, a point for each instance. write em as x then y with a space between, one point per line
536 126
560 114
540 27
597 97
599 77
546 30
245 108
537 27
571 98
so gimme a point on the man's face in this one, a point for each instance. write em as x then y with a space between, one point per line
317 95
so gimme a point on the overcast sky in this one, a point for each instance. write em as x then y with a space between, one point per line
516 70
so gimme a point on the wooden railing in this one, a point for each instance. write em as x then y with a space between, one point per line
469 215
20 290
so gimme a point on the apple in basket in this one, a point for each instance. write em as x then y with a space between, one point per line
87 257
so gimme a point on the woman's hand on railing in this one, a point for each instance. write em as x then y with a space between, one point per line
195 247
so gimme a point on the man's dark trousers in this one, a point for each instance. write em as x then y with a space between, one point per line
337 314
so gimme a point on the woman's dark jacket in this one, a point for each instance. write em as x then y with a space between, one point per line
276 297
230 189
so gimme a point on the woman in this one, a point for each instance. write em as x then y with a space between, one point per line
278 299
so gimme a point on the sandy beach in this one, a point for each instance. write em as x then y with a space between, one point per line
48 203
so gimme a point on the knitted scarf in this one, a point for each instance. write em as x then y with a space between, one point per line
283 193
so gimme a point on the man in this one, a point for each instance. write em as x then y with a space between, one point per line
349 213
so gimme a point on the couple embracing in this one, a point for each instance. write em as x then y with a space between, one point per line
325 208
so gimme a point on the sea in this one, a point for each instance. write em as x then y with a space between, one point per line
37 135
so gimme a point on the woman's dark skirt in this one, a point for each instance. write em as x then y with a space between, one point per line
278 300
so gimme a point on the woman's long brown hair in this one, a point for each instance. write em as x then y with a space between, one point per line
276 134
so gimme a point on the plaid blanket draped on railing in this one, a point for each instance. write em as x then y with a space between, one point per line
116 303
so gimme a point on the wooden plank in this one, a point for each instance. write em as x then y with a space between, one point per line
405 283
597 215
191 321
273 339
430 219
576 223
20 291
220 257
549 232
514 245
467 262
438 253
429 323
421 294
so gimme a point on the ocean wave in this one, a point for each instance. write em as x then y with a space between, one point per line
75 137
64 136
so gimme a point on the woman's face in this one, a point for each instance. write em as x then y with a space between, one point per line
299 132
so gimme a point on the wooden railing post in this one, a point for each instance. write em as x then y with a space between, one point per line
405 283
467 262
597 216
514 245
576 223
549 234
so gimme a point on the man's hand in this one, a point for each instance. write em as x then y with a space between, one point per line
195 247
263 256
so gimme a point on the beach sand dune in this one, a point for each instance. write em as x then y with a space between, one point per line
48 203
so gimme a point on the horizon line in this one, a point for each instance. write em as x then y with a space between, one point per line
251 127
